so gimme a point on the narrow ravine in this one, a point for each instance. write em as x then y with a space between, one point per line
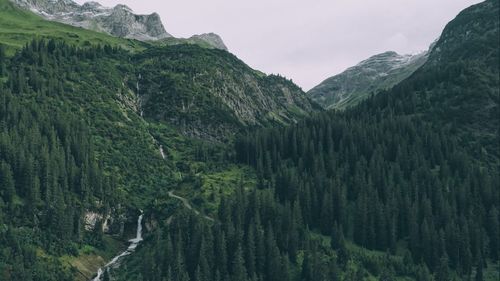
116 261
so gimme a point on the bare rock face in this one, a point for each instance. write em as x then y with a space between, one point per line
91 219
212 39
119 21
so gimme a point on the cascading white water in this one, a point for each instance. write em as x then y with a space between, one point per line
162 152
115 262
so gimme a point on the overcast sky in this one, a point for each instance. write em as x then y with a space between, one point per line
306 40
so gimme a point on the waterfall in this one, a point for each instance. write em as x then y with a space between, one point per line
115 262
162 152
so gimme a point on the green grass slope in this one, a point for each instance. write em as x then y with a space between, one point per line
18 27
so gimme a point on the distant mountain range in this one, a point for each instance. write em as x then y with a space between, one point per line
119 21
379 72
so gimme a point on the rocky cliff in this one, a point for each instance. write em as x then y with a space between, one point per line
119 21
211 94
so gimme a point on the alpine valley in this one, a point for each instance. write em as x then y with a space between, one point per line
128 154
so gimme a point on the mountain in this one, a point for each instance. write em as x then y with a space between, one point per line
207 40
212 39
215 171
119 21
205 92
20 26
211 94
377 73
101 125
413 169
458 87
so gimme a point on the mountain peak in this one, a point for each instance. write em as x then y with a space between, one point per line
92 4
123 7
379 72
212 39
119 21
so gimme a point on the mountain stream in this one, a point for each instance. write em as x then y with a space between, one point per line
115 262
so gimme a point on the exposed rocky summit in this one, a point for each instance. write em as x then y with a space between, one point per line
119 21
207 40
377 73
212 39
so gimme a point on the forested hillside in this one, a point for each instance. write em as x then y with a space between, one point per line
238 175
394 184
83 147
211 94
49 177
413 168
458 88
401 187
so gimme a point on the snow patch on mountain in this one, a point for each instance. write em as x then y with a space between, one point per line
372 75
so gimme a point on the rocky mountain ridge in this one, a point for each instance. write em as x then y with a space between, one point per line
374 74
119 21
212 39
207 40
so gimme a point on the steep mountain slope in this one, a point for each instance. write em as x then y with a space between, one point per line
377 73
211 94
412 170
119 21
206 93
400 186
131 107
19 27
458 87
212 39
207 40
142 157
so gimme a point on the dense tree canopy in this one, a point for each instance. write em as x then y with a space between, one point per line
49 175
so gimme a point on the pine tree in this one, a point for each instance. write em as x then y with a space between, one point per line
307 271
238 267
250 250
337 237
7 182
3 69
494 233
443 271
479 270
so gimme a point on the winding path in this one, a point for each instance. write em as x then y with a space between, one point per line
188 205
